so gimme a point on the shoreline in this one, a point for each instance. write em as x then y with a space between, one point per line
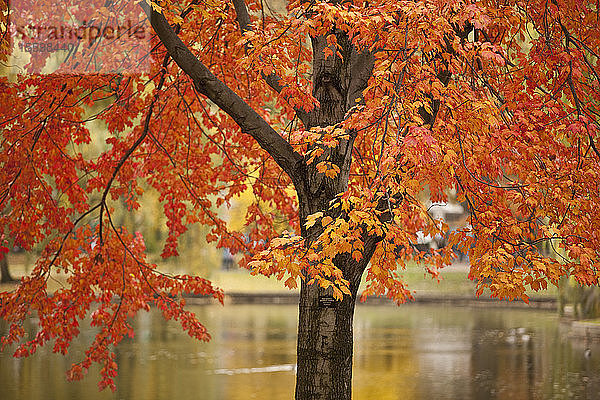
269 298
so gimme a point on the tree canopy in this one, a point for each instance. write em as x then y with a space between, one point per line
336 115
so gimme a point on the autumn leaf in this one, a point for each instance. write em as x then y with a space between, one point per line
312 219
329 169
326 220
231 130
291 283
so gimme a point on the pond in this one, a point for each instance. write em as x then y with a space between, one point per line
410 352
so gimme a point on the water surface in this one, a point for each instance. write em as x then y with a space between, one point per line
411 352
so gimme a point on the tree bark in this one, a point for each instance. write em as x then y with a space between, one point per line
326 336
325 346
325 332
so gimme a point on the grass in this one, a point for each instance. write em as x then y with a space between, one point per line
241 281
453 281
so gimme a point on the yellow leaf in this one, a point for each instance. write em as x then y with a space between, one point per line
354 217
326 220
345 289
156 7
333 171
312 219
322 166
337 294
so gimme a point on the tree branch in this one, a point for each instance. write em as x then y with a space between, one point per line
226 99
243 19
241 12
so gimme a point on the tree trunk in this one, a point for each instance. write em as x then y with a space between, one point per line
325 345
325 328
325 334
4 273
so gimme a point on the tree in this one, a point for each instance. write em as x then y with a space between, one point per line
5 276
336 115
584 300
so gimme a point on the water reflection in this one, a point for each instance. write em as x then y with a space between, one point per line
412 352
